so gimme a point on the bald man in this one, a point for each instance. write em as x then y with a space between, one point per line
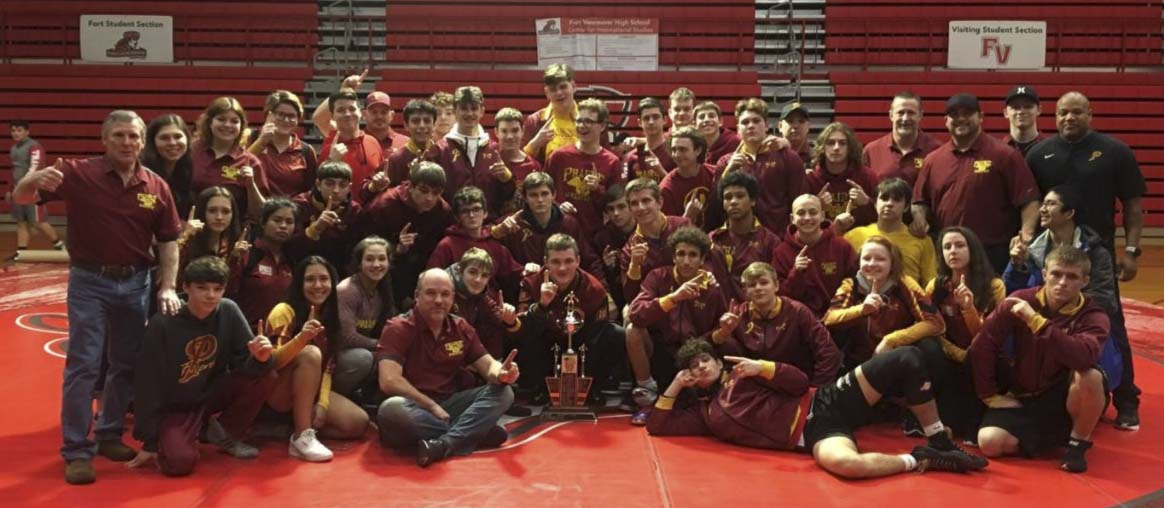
1103 169
422 360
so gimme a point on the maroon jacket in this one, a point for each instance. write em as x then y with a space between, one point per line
483 313
461 172
675 322
636 164
833 260
528 244
658 255
387 215
399 163
1045 350
731 254
781 177
757 412
794 336
593 302
726 143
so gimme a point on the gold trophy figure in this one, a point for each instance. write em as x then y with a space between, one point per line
569 385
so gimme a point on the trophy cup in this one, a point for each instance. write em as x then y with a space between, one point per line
569 385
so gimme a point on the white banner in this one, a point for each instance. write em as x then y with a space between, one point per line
127 38
997 45
604 44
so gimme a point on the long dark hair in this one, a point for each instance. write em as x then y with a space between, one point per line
269 208
979 272
179 178
199 245
328 314
383 288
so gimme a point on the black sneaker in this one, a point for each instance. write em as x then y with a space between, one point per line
933 459
518 411
80 472
910 426
1074 460
1128 419
430 451
115 450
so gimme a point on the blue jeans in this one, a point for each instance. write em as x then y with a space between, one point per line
100 307
471 412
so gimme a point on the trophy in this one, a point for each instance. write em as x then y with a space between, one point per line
569 385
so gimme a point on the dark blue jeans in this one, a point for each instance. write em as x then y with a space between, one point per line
99 307
471 412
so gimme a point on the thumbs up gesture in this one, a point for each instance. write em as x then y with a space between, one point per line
48 179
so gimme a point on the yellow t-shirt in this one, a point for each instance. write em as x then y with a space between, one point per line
565 133
278 329
918 255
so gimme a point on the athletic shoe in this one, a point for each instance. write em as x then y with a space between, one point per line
518 411
115 450
627 403
643 396
1128 419
431 451
1074 460
639 419
80 472
933 459
910 426
219 437
307 447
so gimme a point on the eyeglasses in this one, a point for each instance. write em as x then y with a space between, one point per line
585 121
473 210
286 117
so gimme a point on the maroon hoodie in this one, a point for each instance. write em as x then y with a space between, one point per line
675 322
659 254
731 254
461 172
833 260
506 270
839 186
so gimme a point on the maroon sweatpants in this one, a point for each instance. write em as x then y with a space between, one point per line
239 399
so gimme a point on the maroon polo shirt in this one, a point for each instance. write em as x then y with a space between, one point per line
433 365
886 161
983 188
288 172
257 285
225 171
110 222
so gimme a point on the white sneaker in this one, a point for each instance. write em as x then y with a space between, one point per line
306 447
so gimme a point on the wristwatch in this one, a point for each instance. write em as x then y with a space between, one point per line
1134 252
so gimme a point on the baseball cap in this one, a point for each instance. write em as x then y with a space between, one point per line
1022 91
792 108
378 97
962 100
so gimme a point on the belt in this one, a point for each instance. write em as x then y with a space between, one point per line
115 272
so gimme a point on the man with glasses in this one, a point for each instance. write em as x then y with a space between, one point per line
585 169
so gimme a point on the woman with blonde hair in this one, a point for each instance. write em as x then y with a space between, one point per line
288 162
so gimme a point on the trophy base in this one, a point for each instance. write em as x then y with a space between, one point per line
569 414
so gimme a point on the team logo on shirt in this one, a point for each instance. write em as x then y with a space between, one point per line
828 267
1095 155
147 201
199 357
455 348
982 166
231 172
699 193
918 162
576 179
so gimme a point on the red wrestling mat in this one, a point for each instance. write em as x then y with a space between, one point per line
608 464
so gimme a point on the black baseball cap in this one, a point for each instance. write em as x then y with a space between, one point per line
962 100
1022 91
789 109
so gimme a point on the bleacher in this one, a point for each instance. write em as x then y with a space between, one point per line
1126 105
621 90
1080 33
488 33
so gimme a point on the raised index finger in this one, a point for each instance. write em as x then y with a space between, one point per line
734 359
261 329
803 251
407 229
547 276
191 217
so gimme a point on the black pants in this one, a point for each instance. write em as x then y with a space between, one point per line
958 404
605 350
998 254
1127 395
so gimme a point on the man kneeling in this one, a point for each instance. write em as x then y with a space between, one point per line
1055 393
766 404
198 362
422 354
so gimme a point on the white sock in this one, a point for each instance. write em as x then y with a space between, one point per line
933 428
649 384
910 462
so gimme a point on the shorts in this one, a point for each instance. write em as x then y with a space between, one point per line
26 213
838 409
1042 422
